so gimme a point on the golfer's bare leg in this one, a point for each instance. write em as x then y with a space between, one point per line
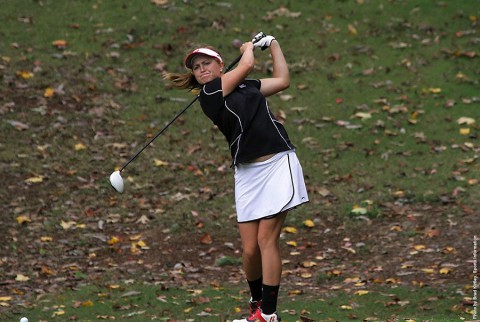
252 259
269 243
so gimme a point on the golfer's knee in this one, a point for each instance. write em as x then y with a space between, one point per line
251 252
267 242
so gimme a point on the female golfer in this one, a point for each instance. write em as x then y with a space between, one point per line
268 176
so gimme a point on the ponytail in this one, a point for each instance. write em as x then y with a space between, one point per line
182 81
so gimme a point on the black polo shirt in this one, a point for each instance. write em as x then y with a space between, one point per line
245 119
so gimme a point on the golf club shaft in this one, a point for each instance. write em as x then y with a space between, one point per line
174 119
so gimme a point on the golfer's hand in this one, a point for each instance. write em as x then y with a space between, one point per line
246 46
264 42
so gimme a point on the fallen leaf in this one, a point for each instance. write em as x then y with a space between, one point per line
25 74
352 30
361 292
46 239
289 229
80 146
37 179
160 163
206 239
60 44
114 240
292 243
18 125
445 271
22 278
466 120
309 223
49 92
67 225
363 115
23 219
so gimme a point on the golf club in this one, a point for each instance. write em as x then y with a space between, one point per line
116 179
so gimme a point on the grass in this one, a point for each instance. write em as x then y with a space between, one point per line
377 89
153 303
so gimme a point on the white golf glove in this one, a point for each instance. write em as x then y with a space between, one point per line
263 43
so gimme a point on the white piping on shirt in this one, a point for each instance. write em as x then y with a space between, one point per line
239 136
273 122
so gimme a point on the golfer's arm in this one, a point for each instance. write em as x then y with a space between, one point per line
281 77
245 66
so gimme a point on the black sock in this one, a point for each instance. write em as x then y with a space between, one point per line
256 289
269 299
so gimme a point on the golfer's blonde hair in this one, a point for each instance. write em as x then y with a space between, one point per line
182 81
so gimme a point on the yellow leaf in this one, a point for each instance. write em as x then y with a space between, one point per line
428 270
465 131
309 223
22 219
361 292
160 163
391 280
34 179
292 243
187 310
346 307
352 30
141 243
396 228
351 280
419 247
5 298
407 265
306 275
80 146
49 92
294 292
46 239
114 240
399 194
466 120
445 271
435 90
22 278
25 74
449 249
159 2
291 230
87 303
67 225
58 312
363 115
308 264
113 286
237 310
357 210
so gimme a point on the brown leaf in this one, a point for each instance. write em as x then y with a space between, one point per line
206 239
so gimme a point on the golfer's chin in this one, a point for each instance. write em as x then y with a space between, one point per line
205 79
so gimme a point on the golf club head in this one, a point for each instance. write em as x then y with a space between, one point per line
116 181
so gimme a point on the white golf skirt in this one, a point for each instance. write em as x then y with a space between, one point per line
265 189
